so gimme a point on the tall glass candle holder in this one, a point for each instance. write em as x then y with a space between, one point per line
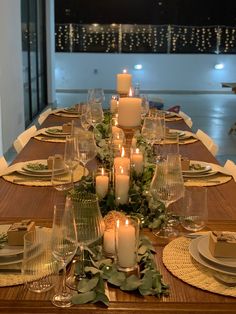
127 239
122 182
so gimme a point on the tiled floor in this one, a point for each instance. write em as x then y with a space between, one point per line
213 113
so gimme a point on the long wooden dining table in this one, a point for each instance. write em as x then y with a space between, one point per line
19 201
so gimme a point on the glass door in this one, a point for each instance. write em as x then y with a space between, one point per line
34 57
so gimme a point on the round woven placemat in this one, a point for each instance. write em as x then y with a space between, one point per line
64 114
177 259
12 279
17 178
44 138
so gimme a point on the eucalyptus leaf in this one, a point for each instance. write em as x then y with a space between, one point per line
100 288
101 297
117 278
142 249
86 285
92 270
131 283
83 298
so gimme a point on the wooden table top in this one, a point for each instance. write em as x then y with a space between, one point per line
18 201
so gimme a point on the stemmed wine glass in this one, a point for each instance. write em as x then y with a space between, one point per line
90 227
95 112
167 186
64 246
71 154
152 130
61 179
87 149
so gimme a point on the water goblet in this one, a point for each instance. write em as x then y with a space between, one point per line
64 246
167 186
90 227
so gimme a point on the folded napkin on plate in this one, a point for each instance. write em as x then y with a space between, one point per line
11 169
230 167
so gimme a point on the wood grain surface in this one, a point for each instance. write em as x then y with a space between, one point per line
18 202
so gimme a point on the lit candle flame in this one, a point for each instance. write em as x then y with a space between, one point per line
137 150
126 222
130 92
103 172
122 152
124 71
121 170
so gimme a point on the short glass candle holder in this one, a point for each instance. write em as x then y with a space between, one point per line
127 240
102 182
109 241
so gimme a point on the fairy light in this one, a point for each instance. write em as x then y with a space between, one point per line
143 38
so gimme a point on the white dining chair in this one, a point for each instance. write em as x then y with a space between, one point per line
43 116
230 167
186 118
3 163
23 138
207 141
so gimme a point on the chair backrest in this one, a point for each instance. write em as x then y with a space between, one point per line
23 138
3 163
207 141
230 167
186 118
43 116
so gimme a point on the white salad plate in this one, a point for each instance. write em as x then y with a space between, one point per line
203 248
27 169
193 250
204 168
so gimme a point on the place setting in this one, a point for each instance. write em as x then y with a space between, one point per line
54 133
185 137
199 173
13 249
202 258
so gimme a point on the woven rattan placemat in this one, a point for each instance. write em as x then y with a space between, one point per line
177 259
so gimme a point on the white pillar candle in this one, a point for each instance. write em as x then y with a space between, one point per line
126 245
123 83
121 186
137 161
129 112
122 162
109 241
102 182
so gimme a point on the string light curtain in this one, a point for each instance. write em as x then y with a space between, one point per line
127 38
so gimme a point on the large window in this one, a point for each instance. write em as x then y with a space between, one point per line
34 57
146 26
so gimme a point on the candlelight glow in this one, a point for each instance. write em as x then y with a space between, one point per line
126 222
122 152
130 92
124 71
103 172
137 150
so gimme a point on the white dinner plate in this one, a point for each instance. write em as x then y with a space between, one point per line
14 254
55 132
203 248
193 250
204 168
9 250
173 132
41 172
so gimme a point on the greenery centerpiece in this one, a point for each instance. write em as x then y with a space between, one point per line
151 214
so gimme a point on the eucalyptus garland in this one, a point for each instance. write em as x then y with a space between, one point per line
101 270
150 213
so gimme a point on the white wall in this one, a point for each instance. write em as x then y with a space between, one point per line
161 72
11 83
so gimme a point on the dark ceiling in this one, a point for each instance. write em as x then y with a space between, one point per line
157 12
